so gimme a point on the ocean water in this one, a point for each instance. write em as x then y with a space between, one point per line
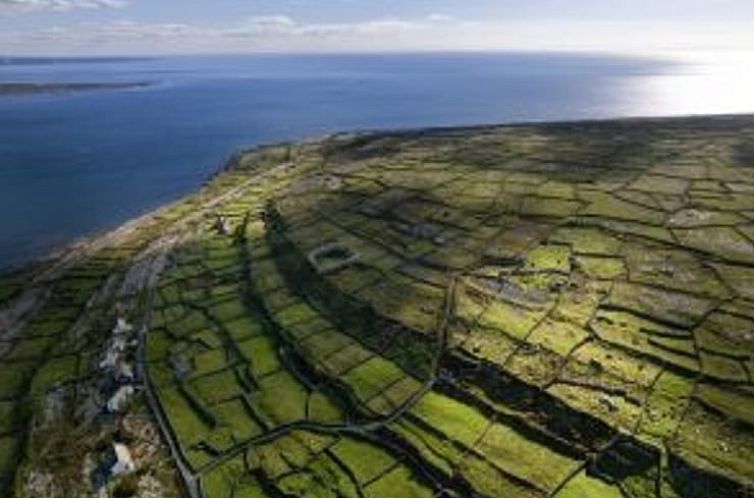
75 164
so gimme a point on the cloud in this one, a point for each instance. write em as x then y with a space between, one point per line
440 18
280 33
271 22
286 27
60 5
124 34
268 33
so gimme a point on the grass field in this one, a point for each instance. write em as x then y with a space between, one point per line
532 311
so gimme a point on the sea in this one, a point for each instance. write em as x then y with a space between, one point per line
75 164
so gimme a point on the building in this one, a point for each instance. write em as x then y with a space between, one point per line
222 225
117 346
120 399
124 372
124 464
122 327
110 360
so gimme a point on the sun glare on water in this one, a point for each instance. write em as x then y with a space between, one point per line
707 83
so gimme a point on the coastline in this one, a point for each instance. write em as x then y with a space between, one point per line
86 242
9 89
576 262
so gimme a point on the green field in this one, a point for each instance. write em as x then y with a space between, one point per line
557 310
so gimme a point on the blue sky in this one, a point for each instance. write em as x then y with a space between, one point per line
193 26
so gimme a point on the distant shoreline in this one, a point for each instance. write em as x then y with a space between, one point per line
13 89
35 61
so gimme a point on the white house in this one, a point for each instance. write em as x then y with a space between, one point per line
124 464
110 360
120 399
117 346
122 327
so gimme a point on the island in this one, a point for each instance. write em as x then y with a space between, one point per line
13 89
539 310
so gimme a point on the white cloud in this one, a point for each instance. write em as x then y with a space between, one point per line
60 5
433 32
287 28
440 18
275 22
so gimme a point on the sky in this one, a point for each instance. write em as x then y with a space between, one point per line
145 27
